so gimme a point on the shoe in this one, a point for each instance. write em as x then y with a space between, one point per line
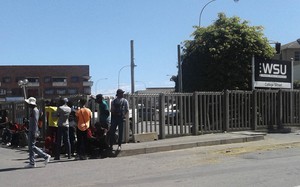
47 160
119 148
8 144
56 158
30 166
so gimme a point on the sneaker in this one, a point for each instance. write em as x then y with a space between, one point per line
8 144
119 148
47 160
30 166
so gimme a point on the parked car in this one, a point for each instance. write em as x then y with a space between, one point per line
171 113
148 114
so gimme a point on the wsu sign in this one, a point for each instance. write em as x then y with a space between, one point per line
272 74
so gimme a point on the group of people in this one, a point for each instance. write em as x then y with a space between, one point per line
71 120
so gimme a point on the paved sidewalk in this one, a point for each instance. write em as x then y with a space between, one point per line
189 142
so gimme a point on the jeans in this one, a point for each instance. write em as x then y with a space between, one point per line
62 131
34 149
116 121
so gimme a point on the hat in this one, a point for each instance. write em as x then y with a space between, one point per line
99 96
65 100
119 91
31 101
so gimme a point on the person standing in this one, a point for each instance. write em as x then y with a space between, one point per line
119 110
33 134
83 115
104 111
63 113
72 128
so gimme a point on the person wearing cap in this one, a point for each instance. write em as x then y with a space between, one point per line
104 111
119 110
63 113
33 134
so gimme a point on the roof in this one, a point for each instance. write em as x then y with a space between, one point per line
156 90
291 45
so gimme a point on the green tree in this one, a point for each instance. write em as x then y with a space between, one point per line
219 56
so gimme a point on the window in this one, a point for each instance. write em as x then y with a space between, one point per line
61 91
74 79
49 91
2 91
297 56
33 79
59 79
47 79
87 90
72 91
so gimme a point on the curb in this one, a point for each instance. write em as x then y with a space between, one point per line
162 148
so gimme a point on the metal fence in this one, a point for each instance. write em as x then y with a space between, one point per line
180 114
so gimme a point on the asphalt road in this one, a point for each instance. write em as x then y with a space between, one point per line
271 162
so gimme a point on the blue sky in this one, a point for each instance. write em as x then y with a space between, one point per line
98 33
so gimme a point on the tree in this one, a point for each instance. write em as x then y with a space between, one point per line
219 56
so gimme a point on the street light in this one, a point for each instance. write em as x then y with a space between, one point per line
205 6
97 84
119 74
143 84
23 84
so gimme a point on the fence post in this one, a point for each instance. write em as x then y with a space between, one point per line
162 129
226 111
279 110
195 124
254 112
291 106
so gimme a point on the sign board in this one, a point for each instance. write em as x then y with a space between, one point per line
272 74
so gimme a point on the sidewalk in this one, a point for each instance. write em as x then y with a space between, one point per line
189 142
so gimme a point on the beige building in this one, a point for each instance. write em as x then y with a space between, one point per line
291 50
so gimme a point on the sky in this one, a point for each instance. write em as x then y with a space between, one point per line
98 33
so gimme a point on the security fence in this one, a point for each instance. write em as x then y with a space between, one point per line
180 114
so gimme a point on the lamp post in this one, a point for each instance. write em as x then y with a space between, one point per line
119 74
204 8
23 84
97 84
143 84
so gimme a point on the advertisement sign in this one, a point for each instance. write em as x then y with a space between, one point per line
272 74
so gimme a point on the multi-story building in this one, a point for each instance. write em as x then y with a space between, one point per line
289 51
44 81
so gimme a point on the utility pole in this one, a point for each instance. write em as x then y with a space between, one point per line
132 66
179 70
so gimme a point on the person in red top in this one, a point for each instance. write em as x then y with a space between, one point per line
83 116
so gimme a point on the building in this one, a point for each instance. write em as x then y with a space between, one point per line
156 90
291 50
44 81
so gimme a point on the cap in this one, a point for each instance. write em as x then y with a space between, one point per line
66 100
31 101
119 91
99 96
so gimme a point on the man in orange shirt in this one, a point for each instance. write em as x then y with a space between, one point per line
83 115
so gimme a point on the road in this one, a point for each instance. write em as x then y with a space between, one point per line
247 164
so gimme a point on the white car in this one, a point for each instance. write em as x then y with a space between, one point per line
171 113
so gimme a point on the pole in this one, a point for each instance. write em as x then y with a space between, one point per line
179 70
119 75
132 66
253 72
202 11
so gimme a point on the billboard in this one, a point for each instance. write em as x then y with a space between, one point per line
272 73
